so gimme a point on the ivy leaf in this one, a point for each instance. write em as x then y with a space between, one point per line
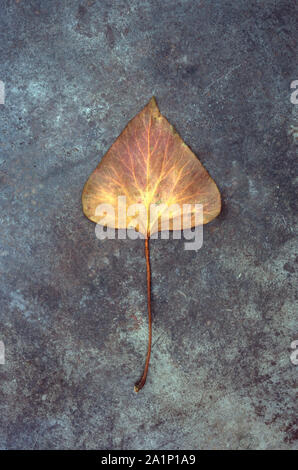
150 165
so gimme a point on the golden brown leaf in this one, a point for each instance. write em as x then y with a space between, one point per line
150 164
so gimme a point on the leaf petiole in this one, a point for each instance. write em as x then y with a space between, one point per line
140 384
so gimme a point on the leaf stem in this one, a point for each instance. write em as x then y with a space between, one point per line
140 384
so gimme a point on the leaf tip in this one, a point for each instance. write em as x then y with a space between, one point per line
152 104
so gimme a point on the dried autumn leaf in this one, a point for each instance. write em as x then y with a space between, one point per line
150 164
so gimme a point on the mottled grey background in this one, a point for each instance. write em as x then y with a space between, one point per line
73 309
